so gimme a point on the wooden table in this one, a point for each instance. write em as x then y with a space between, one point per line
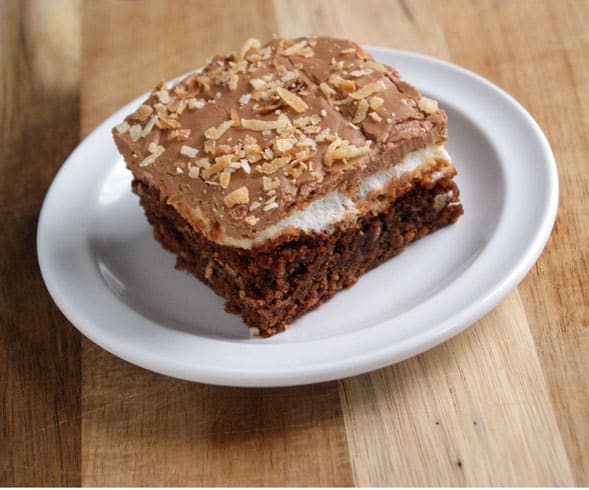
504 403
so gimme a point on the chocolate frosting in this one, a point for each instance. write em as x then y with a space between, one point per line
256 134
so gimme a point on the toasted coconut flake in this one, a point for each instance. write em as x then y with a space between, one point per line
266 52
210 147
238 196
148 160
167 122
245 166
348 51
291 99
155 148
376 102
361 73
156 151
363 54
203 163
123 127
346 86
188 151
245 98
142 112
205 81
284 144
324 136
328 156
221 163
289 76
350 151
375 65
253 156
369 89
282 122
252 220
251 43
163 96
427 105
345 101
302 122
274 165
149 126
341 149
317 176
257 83
270 206
295 48
305 52
224 149
234 118
296 168
312 129
266 181
251 147
135 132
326 89
194 172
274 184
180 107
302 155
179 134
361 112
375 117
215 133
195 103
225 178
233 80
180 90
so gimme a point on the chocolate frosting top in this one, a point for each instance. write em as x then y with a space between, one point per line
256 134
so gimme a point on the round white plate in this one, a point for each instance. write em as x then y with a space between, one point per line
120 289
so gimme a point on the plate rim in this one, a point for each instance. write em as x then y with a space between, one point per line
358 364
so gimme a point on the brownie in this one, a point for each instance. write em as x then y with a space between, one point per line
281 173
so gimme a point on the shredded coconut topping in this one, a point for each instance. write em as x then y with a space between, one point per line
275 125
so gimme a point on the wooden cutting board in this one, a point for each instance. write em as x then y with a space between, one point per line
504 403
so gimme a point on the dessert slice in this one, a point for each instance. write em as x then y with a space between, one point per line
281 173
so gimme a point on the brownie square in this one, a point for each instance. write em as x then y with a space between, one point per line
281 173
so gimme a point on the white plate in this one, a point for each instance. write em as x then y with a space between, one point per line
119 288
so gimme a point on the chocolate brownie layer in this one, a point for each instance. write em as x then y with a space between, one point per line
273 284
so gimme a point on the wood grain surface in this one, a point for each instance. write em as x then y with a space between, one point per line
504 403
